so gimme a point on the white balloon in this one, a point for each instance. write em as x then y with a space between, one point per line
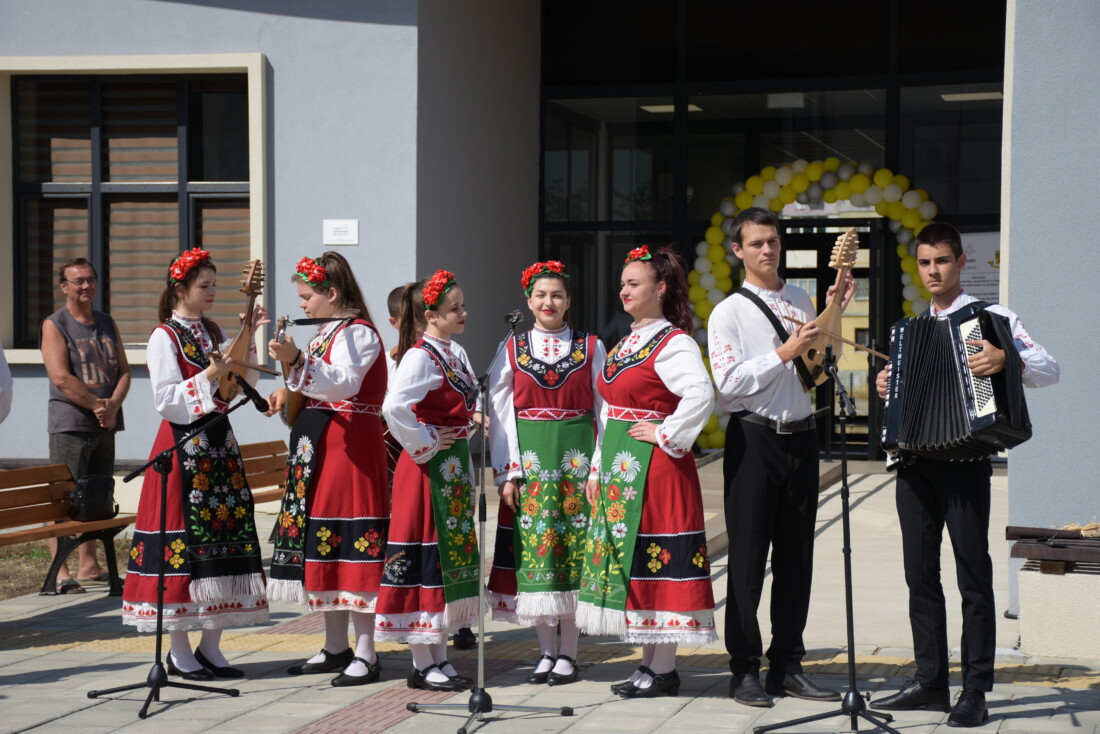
698 322
715 296
815 191
737 188
829 180
728 208
906 278
724 419
708 281
702 248
803 198
911 199
726 226
894 225
905 235
783 175
857 199
928 210
734 261
728 241
891 192
702 264
913 248
866 168
910 292
771 189
799 166
920 305
845 171
700 337
873 195
761 202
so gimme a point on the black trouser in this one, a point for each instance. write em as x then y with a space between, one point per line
931 494
771 500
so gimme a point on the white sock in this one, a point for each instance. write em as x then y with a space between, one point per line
547 634
210 646
180 650
423 657
336 635
364 644
570 636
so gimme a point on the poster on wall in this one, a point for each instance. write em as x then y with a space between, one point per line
981 277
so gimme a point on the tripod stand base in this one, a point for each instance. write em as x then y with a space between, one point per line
481 703
158 679
853 705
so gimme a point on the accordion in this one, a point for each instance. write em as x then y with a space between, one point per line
935 406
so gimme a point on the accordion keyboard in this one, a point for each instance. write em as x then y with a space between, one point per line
985 402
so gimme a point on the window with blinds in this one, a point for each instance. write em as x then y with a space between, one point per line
127 171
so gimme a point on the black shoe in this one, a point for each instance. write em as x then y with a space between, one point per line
218 671
200 674
461 680
745 689
799 686
914 696
970 709
464 639
616 687
560 679
419 679
663 683
374 672
339 661
541 677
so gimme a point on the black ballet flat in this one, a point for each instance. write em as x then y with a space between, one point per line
217 670
374 672
339 661
200 674
558 679
616 687
663 684
461 680
541 677
419 679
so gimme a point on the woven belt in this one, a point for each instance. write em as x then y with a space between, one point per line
616 413
549 414
781 428
460 432
347 406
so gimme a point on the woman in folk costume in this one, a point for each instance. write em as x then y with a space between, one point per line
335 514
646 575
544 404
431 576
213 573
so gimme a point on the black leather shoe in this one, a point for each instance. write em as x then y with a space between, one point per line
200 674
914 696
374 672
464 639
663 683
419 679
218 671
541 677
970 709
616 687
799 686
745 689
339 661
461 680
559 679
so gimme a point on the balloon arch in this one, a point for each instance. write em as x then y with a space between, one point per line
807 183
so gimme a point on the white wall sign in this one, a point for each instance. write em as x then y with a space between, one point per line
981 277
340 232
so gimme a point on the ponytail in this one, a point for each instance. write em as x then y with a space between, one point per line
670 267
411 316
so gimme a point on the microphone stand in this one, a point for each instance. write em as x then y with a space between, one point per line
158 676
853 704
481 702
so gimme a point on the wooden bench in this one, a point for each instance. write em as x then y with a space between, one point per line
265 466
41 495
1057 551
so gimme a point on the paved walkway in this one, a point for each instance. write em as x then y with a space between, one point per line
54 649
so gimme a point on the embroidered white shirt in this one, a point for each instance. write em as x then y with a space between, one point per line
351 356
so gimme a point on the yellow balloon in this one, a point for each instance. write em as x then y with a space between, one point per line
715 235
721 269
715 254
776 204
814 171
881 207
860 182
902 181
907 307
910 219
831 163
884 177
693 278
902 251
743 200
712 424
800 182
843 190
925 293
829 196
716 219
717 438
919 227
703 440
767 173
754 185
923 194
895 210
703 308
909 264
725 285
697 293
787 195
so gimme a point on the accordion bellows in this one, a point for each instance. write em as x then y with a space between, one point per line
935 406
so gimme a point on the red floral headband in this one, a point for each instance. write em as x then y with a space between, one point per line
531 274
186 262
437 287
638 253
312 273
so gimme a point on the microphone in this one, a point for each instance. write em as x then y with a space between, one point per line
251 394
515 317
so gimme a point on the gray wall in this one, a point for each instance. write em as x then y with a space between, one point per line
1052 136
477 169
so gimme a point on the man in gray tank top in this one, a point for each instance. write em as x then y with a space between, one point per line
89 378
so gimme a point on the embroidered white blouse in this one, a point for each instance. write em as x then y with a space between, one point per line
352 354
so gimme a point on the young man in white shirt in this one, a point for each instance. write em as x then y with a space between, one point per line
932 494
771 464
